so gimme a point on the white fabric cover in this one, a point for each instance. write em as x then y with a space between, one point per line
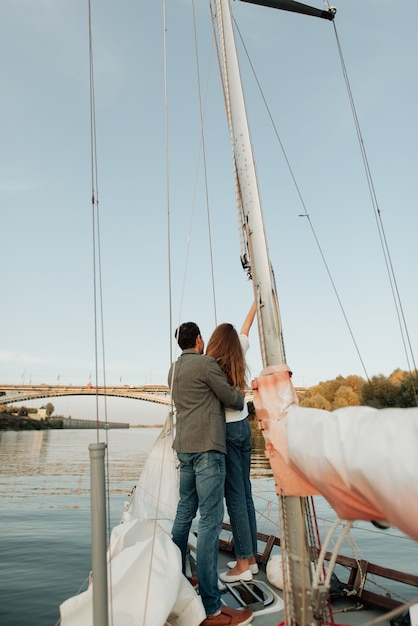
364 461
146 585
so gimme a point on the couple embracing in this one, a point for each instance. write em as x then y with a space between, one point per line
213 445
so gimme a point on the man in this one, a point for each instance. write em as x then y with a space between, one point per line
200 391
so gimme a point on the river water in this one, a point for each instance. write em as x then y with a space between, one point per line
45 533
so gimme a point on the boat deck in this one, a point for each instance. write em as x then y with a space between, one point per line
266 600
345 610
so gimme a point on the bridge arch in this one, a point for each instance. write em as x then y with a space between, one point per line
159 394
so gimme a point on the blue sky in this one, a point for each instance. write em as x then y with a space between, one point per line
47 328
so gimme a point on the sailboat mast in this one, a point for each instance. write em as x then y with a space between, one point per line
248 197
299 607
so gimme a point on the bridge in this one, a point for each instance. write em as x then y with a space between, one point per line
159 394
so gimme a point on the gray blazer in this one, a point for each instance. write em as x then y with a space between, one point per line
200 391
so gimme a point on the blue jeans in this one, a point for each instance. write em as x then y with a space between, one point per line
202 486
239 500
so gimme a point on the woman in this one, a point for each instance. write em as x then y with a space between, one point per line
229 348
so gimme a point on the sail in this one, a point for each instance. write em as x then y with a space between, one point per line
146 585
361 459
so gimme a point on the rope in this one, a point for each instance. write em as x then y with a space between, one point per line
167 185
202 150
371 578
97 282
321 559
168 428
287 578
302 201
335 552
315 540
394 613
379 223
378 216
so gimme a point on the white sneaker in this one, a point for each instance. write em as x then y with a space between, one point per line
253 567
226 577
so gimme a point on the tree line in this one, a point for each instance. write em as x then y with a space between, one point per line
19 418
400 389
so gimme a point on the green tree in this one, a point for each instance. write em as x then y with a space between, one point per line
380 392
408 390
49 409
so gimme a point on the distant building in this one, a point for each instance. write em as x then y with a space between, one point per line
41 414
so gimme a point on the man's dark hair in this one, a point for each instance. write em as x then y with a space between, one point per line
186 335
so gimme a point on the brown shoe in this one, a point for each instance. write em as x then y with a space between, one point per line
193 580
229 617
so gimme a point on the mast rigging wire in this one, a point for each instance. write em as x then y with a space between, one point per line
302 201
378 217
98 312
379 223
203 151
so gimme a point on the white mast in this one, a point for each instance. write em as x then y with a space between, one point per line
294 542
248 196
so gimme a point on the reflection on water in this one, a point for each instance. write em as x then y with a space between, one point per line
260 466
45 514
58 462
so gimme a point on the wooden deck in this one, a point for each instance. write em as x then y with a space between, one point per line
358 570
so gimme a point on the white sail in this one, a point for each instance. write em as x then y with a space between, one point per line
145 582
362 460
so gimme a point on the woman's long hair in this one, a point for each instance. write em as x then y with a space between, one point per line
225 346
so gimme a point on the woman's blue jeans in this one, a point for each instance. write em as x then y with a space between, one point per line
239 500
202 485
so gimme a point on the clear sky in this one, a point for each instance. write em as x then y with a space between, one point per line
47 313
